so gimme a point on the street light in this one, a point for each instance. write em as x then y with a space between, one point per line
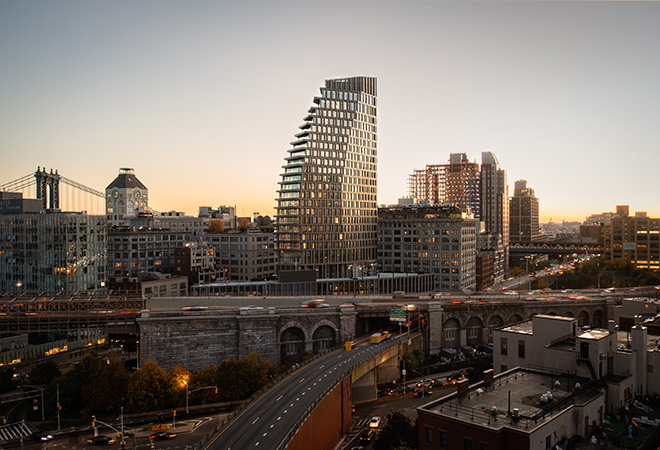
198 389
403 372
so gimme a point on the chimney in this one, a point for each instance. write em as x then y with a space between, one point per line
611 327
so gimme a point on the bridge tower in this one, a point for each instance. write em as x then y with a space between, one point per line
48 188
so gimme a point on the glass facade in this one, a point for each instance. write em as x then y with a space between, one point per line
52 252
327 209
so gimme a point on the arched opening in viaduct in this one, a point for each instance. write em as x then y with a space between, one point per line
451 329
598 320
475 331
514 319
494 322
292 345
583 319
324 339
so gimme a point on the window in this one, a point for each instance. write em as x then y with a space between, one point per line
467 444
443 439
504 346
649 368
521 349
548 442
429 435
483 446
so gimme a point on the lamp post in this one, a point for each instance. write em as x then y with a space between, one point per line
403 372
198 389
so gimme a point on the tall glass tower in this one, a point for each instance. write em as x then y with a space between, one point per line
326 205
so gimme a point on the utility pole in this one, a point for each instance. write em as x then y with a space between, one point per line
123 443
58 407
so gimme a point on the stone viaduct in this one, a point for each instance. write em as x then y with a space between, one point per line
284 334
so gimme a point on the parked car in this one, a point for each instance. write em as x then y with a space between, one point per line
367 435
101 440
374 422
163 435
425 393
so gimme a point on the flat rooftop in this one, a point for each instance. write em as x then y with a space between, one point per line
524 387
527 327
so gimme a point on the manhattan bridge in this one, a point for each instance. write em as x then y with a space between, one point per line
57 192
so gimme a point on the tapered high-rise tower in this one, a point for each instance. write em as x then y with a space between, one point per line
326 205
495 203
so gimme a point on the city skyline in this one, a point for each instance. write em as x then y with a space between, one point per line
193 96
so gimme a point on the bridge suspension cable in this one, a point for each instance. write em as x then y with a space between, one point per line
81 187
76 196
18 184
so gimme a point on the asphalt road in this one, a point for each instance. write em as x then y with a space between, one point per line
267 422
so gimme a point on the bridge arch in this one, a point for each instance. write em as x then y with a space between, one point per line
474 331
324 338
598 319
515 318
292 344
451 329
583 319
494 322
568 314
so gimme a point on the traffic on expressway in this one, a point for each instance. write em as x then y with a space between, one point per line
271 421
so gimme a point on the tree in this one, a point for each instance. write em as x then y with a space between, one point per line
397 433
179 378
6 379
93 377
238 379
243 224
208 376
216 226
149 389
43 373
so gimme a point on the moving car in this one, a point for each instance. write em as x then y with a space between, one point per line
42 436
101 440
367 435
422 393
162 435
374 422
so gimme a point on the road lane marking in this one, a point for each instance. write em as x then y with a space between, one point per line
255 420
278 398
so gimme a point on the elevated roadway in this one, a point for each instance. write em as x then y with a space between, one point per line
272 421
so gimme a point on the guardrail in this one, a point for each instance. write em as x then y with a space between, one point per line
218 429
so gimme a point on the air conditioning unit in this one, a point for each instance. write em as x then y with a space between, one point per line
603 356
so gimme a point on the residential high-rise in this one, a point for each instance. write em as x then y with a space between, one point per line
635 239
52 252
495 204
429 239
455 183
523 214
326 205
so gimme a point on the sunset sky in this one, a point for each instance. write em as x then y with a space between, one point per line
202 98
